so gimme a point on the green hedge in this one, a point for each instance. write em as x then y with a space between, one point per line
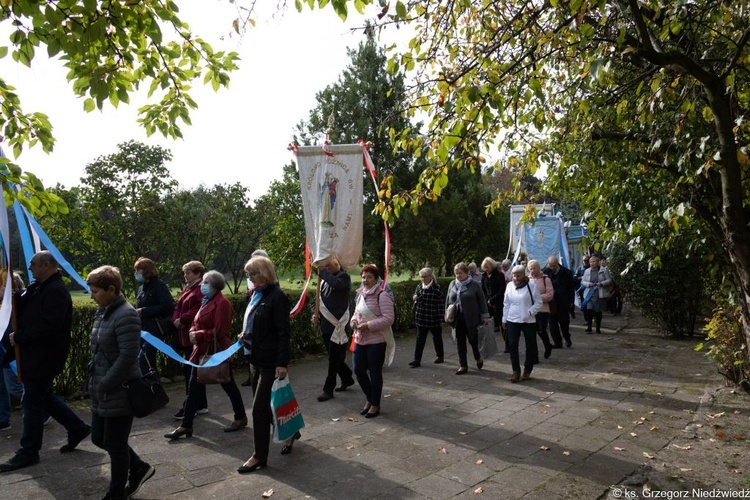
305 336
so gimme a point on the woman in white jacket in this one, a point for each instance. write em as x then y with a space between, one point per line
521 303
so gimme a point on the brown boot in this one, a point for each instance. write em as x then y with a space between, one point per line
515 378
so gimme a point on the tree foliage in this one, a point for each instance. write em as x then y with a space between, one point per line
637 108
110 49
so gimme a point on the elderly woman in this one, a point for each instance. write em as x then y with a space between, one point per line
115 341
429 306
210 328
153 302
187 307
266 332
522 302
372 320
547 292
597 283
493 287
467 296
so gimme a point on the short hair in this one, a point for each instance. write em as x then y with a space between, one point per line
370 268
147 267
533 261
46 256
263 267
194 266
425 270
259 253
519 269
104 277
215 279
506 262
462 266
490 261
472 266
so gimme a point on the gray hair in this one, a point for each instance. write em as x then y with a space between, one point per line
425 270
46 256
518 269
506 262
259 253
472 266
462 266
215 279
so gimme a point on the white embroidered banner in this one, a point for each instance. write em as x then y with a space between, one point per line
331 183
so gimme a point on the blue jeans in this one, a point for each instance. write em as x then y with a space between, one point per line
9 386
111 434
370 358
38 399
529 336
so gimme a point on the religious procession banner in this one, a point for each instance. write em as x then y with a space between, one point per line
544 238
331 183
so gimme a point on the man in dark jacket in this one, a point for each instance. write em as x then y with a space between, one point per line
335 289
559 320
43 337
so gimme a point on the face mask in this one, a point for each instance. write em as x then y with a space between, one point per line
205 288
250 284
139 277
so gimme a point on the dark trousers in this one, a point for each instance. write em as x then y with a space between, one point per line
262 414
368 366
37 399
542 319
187 372
529 335
462 335
559 323
437 340
336 365
197 393
595 316
111 435
147 358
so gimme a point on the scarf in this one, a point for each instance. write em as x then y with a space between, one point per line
425 287
524 282
462 285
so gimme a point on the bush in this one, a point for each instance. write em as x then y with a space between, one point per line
305 337
671 295
727 345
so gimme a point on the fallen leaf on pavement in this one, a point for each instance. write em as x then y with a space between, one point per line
685 469
545 448
721 434
739 437
619 449
443 450
478 491
566 453
715 415
462 433
634 434
336 419
681 447
480 462
653 428
619 427
267 494
648 455
352 419
439 382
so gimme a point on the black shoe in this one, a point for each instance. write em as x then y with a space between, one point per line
74 438
548 352
364 411
415 364
598 330
179 432
287 448
506 351
568 343
344 386
480 363
18 462
112 496
236 425
246 469
325 397
180 414
588 330
438 360
461 371
138 476
372 414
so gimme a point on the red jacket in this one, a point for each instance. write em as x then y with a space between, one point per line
213 319
186 309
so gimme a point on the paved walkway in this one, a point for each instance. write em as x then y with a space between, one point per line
581 424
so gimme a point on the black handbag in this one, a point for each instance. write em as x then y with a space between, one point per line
145 394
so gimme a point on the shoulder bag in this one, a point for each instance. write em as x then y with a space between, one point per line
219 374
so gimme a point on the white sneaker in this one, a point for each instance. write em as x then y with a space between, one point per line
202 411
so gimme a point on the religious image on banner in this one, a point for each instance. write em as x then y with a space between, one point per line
542 239
332 202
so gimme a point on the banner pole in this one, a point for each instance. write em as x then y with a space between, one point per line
317 300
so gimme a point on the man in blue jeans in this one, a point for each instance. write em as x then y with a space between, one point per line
43 338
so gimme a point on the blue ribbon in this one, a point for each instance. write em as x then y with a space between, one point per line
215 360
25 234
54 251
586 299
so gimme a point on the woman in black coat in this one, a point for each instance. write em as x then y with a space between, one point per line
266 332
493 286
115 342
429 309
153 302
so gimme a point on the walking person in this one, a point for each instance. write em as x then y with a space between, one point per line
466 294
597 283
559 318
153 302
522 302
115 344
266 332
335 288
429 308
43 337
547 291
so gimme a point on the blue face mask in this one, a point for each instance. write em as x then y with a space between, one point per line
205 288
139 277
